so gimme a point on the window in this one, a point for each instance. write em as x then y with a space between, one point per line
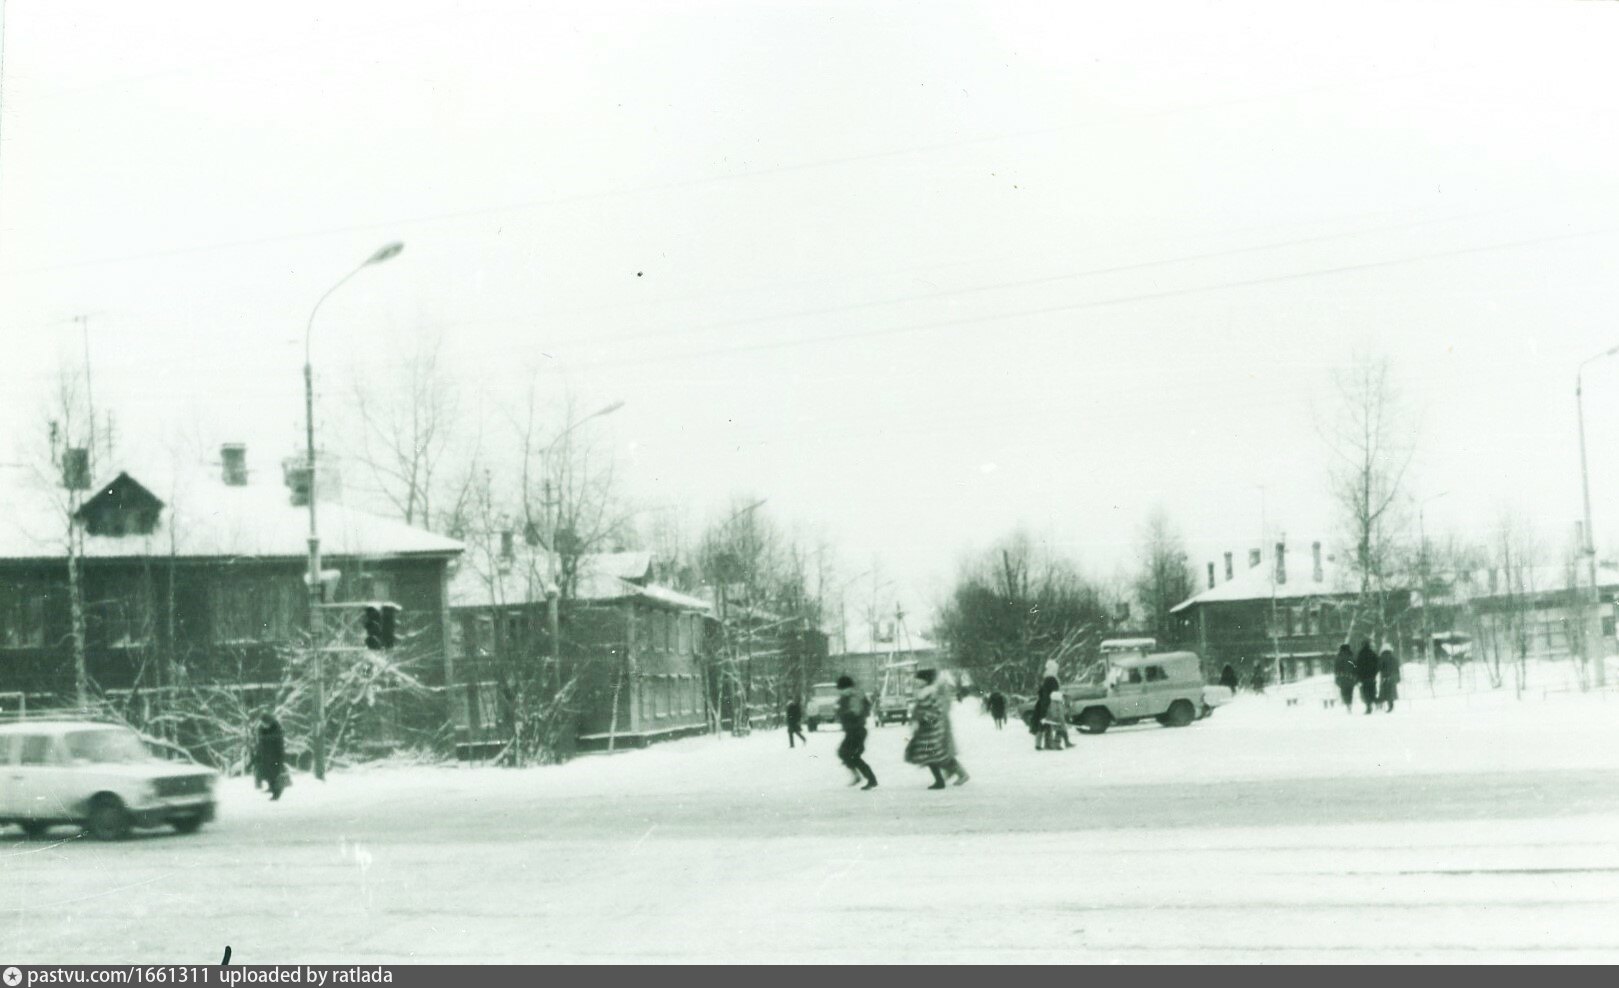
1156 674
683 629
22 619
121 622
248 610
36 750
660 702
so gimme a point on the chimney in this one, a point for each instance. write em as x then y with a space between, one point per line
1211 576
233 456
1315 550
1228 567
1253 558
76 469
1281 562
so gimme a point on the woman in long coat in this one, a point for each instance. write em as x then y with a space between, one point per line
270 754
1388 670
1343 674
933 744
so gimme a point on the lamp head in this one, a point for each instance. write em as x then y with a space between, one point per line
386 253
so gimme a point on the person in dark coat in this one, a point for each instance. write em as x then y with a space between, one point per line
795 722
1388 671
997 709
1228 678
1343 674
852 712
1366 672
270 754
1037 720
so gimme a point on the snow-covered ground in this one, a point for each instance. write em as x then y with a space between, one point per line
1462 827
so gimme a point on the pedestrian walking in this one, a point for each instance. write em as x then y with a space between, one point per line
997 709
1366 672
1228 678
270 755
1343 674
933 745
795 722
852 712
1388 671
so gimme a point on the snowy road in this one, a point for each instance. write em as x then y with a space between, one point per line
1267 833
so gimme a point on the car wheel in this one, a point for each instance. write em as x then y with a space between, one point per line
1180 714
1095 720
108 819
34 831
187 824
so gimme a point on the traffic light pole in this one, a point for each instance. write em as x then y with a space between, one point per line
316 630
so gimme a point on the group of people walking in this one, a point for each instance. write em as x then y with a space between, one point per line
932 744
1377 675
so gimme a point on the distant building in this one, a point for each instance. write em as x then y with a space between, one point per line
1284 613
1535 612
869 649
636 653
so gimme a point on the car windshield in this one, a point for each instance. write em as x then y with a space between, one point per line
103 747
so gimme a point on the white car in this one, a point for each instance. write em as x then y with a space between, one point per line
102 777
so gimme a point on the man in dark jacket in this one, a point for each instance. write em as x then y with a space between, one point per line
1366 672
852 711
270 754
1343 674
997 709
1228 678
795 722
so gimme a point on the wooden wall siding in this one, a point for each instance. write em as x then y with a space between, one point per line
220 619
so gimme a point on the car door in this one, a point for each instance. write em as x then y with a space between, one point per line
1156 691
9 800
1126 699
33 774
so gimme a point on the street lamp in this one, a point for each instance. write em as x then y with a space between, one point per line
1590 547
385 253
552 591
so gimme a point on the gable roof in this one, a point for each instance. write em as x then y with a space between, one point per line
602 578
1259 582
202 517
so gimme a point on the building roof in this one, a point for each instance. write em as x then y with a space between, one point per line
1259 582
602 578
202 517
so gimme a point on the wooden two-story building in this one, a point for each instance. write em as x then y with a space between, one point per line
197 578
631 665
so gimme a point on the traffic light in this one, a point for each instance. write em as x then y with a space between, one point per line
380 624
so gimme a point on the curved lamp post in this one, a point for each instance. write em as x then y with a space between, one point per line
385 253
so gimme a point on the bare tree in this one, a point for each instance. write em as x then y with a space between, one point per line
410 431
1017 607
1163 578
1372 439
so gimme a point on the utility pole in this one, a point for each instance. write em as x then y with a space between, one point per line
1590 546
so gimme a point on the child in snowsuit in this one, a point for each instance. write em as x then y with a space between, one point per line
1056 723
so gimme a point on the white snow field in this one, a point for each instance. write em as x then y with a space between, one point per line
1460 828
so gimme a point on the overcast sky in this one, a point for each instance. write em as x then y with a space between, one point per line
917 272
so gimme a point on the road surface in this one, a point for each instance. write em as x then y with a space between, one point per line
1259 835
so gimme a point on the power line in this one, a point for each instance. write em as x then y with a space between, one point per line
1095 304
701 181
